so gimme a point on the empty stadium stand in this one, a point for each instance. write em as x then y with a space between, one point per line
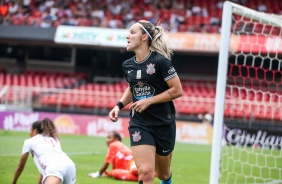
60 91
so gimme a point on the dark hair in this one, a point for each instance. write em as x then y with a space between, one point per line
157 43
116 135
45 127
37 126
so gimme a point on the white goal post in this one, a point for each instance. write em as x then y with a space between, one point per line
249 93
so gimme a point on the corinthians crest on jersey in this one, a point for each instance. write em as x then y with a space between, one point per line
150 69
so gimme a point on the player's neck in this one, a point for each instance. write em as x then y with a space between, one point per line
141 55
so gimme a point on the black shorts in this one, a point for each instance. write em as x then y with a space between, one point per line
162 137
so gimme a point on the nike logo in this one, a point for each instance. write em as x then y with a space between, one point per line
165 151
129 71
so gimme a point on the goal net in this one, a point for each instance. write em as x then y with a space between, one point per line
247 138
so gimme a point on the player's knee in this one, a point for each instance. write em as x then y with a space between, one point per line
146 173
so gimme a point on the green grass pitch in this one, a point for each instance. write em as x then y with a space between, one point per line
190 164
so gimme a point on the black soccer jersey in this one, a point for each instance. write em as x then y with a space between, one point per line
146 79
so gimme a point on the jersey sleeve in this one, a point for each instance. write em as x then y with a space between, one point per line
124 70
166 69
111 154
26 146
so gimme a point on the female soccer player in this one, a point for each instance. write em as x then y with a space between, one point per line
153 85
120 156
53 164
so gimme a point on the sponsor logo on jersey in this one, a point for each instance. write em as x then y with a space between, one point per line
142 90
151 69
171 70
136 136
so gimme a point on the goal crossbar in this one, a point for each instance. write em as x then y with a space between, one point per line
252 14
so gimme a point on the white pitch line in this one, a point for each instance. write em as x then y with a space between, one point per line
68 153
84 153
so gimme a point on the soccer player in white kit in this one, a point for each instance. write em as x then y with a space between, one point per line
53 164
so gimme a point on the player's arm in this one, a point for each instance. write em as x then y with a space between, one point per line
20 167
109 158
40 179
125 99
174 91
103 168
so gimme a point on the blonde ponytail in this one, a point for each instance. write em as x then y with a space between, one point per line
158 43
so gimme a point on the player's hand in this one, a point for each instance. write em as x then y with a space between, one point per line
141 105
107 174
94 175
113 115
